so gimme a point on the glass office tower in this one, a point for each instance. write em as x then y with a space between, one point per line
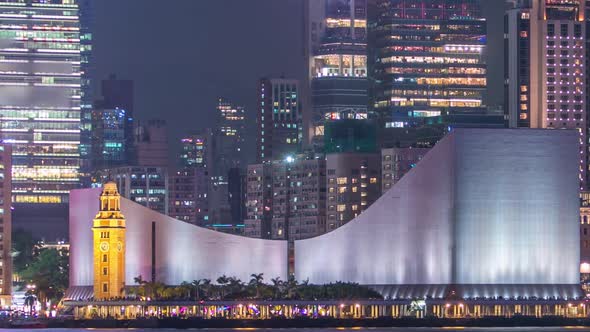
337 42
425 62
40 93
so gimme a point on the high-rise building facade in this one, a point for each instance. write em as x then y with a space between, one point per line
545 75
147 186
195 150
337 41
5 225
425 64
87 88
40 95
286 199
229 137
151 143
188 190
353 184
119 94
258 201
109 138
279 120
396 162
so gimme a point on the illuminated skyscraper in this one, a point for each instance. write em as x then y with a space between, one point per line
229 136
336 32
5 226
109 133
545 74
279 120
425 64
40 93
119 94
195 150
87 92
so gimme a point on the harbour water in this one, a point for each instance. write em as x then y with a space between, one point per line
396 329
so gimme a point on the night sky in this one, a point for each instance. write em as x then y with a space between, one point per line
183 54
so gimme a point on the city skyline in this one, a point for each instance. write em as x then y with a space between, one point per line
197 76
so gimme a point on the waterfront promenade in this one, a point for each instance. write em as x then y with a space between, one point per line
365 309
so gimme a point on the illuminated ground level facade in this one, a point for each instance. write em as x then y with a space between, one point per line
330 309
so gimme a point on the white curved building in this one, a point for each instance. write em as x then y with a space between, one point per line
170 250
486 213
493 212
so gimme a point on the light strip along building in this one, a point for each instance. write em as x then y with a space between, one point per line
40 93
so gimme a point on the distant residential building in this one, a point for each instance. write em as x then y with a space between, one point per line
396 162
353 185
187 196
545 74
258 201
151 143
147 186
286 199
109 138
279 119
196 150
5 225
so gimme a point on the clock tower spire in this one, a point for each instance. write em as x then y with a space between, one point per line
109 245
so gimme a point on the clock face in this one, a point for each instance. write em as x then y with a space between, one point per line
119 246
104 246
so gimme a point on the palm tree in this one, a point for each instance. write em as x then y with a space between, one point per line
141 289
206 287
185 290
256 282
278 287
291 287
222 281
235 285
197 287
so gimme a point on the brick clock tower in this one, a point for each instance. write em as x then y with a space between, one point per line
109 245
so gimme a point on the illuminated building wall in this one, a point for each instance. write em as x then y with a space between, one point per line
183 252
396 162
40 93
336 32
5 225
279 121
465 215
546 55
425 62
585 240
353 184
